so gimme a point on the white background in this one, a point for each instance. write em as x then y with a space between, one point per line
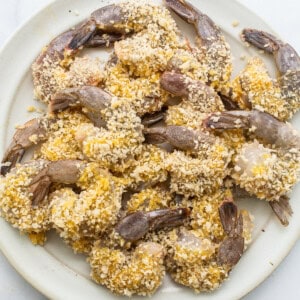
284 18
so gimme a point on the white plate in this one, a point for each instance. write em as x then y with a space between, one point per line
55 270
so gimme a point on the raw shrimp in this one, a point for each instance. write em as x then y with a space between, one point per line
135 225
200 260
253 88
213 51
203 98
263 125
53 70
200 167
87 214
17 205
117 144
57 133
139 272
268 170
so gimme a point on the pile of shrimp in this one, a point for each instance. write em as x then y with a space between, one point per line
139 164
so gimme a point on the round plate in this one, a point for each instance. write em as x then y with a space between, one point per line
54 269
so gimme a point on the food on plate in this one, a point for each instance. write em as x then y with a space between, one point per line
141 160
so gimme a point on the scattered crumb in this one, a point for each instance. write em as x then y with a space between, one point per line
31 108
235 23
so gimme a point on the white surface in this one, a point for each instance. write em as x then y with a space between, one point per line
283 283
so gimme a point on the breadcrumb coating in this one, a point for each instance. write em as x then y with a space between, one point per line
140 272
149 199
143 93
15 202
119 142
201 173
49 76
216 58
61 142
255 88
266 173
191 261
85 216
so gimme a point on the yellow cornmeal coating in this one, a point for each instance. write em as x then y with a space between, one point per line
37 238
15 203
50 77
82 245
192 254
61 142
203 173
186 63
255 84
144 93
205 215
120 141
140 272
185 114
149 199
192 261
91 212
234 139
149 166
200 277
267 174
144 55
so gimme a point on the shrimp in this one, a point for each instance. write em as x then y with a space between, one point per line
119 143
56 133
149 199
17 205
203 98
199 259
50 69
268 170
201 165
134 226
118 18
81 216
265 173
148 168
255 88
140 271
198 101
149 51
25 136
264 126
93 99
213 51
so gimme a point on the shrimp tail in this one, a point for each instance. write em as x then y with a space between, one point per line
11 158
83 35
228 120
282 210
261 40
